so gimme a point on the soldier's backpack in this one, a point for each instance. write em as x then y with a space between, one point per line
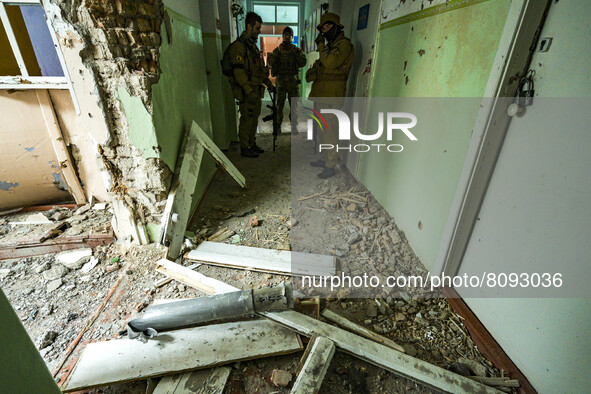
226 62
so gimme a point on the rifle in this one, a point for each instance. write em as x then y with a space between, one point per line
273 116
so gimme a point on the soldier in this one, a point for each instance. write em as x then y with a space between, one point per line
329 80
249 75
285 62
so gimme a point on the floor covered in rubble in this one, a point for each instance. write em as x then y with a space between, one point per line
57 302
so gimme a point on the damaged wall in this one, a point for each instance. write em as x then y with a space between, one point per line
448 52
143 65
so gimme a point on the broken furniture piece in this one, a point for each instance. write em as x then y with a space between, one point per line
263 260
316 361
180 198
124 360
206 309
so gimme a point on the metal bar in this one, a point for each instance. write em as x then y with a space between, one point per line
12 40
205 309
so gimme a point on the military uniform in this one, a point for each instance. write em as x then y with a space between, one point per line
329 80
285 62
250 73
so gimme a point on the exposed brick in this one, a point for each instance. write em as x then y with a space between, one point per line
134 38
102 6
156 25
126 7
147 9
131 24
155 55
145 39
121 21
125 51
122 37
112 37
144 25
139 53
155 39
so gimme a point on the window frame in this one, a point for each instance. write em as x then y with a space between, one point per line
25 81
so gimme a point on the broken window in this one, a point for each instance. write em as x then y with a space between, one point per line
29 58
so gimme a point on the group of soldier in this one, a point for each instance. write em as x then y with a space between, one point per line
328 75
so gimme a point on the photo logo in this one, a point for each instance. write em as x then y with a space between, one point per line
392 122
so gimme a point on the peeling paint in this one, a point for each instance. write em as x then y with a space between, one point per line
6 186
59 182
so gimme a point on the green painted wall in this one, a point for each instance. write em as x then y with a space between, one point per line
22 370
229 102
459 48
212 43
181 94
141 128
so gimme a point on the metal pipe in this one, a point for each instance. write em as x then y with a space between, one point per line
200 310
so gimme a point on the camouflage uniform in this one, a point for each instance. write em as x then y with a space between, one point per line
329 80
285 62
250 73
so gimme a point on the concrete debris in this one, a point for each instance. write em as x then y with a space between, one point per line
5 272
47 339
86 268
74 259
54 285
253 221
280 378
476 368
56 272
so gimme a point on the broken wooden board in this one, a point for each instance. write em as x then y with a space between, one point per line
348 324
180 198
315 366
61 150
207 381
123 360
263 260
382 356
219 156
194 279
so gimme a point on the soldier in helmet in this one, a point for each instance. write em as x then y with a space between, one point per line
285 62
329 84
249 76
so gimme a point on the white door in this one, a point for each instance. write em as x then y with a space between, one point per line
536 215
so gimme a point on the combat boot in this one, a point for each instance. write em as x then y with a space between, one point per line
326 173
256 149
247 152
318 163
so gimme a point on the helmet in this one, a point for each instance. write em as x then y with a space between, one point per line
330 17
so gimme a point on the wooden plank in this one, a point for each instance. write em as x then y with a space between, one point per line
178 206
167 279
61 150
263 260
208 381
219 156
349 325
312 374
123 360
380 355
194 279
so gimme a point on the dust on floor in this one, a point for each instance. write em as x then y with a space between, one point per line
427 328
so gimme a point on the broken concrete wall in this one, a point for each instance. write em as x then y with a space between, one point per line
147 91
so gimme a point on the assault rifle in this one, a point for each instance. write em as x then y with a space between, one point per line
273 116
